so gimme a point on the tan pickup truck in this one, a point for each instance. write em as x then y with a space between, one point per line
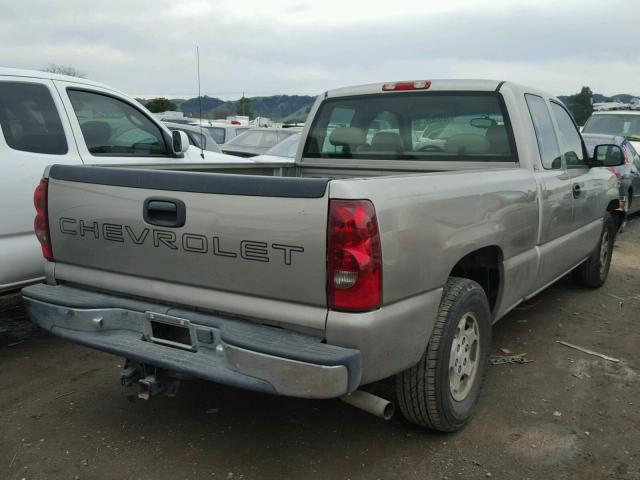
415 216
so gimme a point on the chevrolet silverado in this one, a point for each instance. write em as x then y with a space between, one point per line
415 216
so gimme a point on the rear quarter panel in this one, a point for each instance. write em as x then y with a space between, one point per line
429 222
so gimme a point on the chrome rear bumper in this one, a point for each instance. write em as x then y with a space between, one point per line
223 350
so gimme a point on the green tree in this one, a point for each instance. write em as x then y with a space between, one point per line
160 104
581 105
64 70
243 107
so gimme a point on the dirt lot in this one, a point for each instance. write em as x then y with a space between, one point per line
566 415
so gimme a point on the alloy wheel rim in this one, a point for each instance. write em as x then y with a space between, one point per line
464 357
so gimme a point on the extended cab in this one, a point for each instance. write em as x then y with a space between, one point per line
415 216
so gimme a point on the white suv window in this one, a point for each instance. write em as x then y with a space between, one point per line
112 127
29 119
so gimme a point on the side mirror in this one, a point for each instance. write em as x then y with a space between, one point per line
180 141
608 155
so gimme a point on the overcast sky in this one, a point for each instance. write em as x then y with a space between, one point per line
147 47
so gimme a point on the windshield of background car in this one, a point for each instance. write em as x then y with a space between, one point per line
612 124
259 138
286 148
218 134
437 126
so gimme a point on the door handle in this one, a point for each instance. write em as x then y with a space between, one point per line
577 190
164 212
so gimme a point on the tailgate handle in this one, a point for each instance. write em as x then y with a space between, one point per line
164 212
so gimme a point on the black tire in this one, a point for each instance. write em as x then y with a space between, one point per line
424 394
593 272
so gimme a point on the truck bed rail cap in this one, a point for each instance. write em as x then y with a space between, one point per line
217 183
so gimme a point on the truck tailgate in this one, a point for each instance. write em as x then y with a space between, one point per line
258 236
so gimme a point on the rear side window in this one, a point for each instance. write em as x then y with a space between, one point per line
29 119
570 140
111 127
438 126
545 134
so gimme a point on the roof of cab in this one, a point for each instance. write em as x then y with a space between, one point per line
16 72
370 88
475 85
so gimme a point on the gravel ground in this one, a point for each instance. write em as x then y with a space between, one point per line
566 415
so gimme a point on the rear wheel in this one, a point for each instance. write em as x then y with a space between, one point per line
441 391
593 272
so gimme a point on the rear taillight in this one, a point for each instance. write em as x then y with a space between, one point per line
354 256
41 223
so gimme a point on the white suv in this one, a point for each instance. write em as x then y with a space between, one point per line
46 119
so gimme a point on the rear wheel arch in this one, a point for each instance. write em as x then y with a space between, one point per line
484 266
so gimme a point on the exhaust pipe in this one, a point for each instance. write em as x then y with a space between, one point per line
368 402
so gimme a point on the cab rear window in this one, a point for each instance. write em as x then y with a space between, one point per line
437 126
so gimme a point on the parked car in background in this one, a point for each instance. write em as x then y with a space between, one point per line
202 146
221 131
261 122
199 137
285 151
624 123
257 141
628 173
46 119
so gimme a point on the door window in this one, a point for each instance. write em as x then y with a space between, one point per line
29 119
570 140
112 127
545 134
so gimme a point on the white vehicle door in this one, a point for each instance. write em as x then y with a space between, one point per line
35 134
112 129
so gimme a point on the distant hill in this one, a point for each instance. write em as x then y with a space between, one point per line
599 98
290 108
192 106
276 107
